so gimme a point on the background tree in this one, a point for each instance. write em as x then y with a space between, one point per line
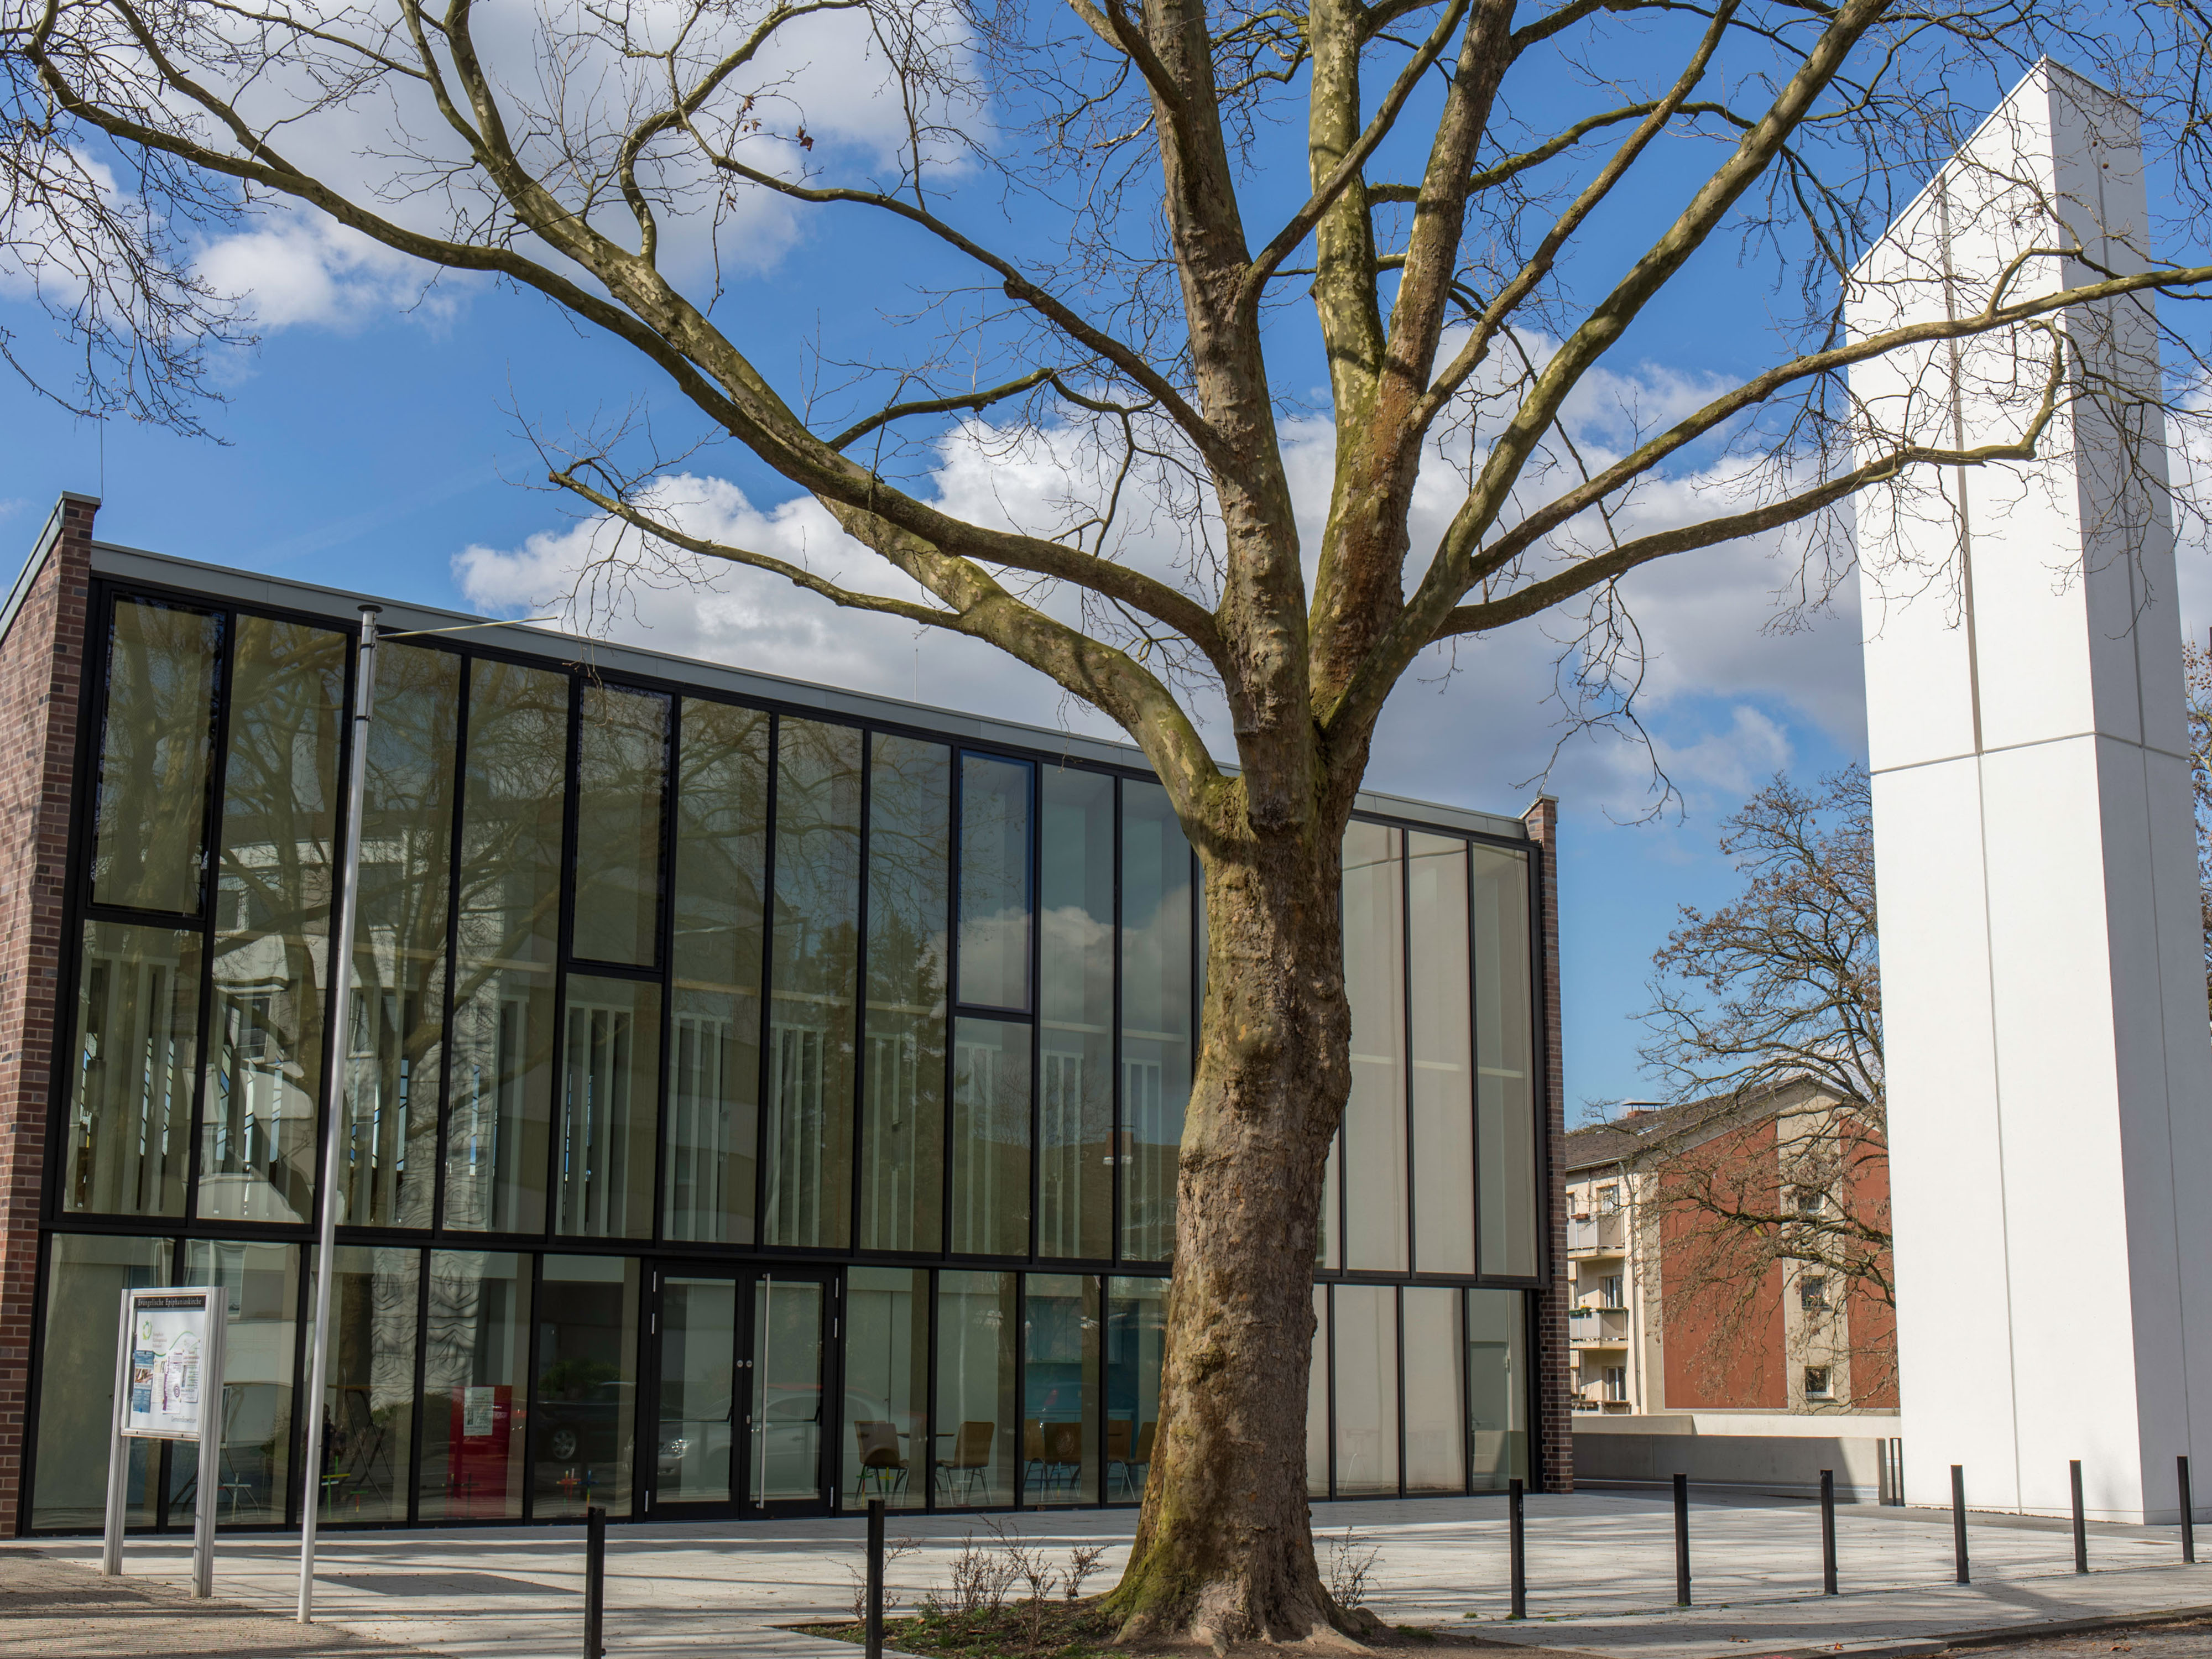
1137 234
2196 668
1766 1028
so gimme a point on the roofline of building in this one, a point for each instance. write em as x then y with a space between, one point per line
1683 1129
116 562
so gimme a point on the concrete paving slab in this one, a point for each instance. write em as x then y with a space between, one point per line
1601 1570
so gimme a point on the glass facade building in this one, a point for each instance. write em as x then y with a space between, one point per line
756 1099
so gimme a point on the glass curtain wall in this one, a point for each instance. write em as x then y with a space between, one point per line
1136 1347
690 999
1505 1065
812 986
396 1046
1075 1090
272 895
583 1415
475 1358
1372 1156
887 1446
1156 1015
130 1107
86 1277
1060 1389
719 900
156 756
902 1085
368 1396
1438 990
254 1483
498 1137
978 1329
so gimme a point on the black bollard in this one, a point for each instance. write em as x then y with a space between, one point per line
2081 1525
875 1578
1959 1520
1517 1545
595 1580
1682 1540
2188 1509
1827 1532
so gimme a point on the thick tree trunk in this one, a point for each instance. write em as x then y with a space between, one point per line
1223 1549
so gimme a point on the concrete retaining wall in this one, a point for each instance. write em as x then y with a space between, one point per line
1786 1458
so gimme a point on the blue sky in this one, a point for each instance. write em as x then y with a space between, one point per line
372 440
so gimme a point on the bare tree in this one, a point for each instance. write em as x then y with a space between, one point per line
1769 1180
1095 219
2197 669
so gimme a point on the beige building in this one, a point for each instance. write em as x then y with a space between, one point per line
1784 1341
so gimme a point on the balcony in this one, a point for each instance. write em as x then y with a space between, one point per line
1603 1234
1597 1327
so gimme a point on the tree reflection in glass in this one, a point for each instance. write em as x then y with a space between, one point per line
263 1091
903 1093
496 1143
808 1185
399 948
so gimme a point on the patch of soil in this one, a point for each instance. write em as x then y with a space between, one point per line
1082 1629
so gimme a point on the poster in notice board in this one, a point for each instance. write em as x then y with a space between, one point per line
169 1384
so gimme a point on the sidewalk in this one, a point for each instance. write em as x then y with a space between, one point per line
1600 1577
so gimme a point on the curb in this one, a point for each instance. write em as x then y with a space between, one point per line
1919 1647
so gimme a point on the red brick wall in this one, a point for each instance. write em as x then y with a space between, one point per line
1555 1431
1723 1340
40 669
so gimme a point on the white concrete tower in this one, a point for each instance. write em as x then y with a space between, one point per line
2048 1072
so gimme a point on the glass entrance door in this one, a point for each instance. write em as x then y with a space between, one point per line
742 1369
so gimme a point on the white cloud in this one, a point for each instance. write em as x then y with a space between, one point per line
297 266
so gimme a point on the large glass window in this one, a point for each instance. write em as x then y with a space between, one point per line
1317 1399
262 1281
1498 1386
155 753
990 1138
621 748
812 984
610 1075
1444 1056
1436 1356
887 1387
713 1061
1505 1061
1366 1331
1060 1385
1156 1017
499 1127
474 1370
1373 1158
902 1094
994 883
1075 1093
399 948
265 1085
138 1008
1136 1349
977 1326
368 1395
86 1277
583 1419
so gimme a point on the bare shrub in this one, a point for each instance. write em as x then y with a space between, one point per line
1350 1569
1082 1562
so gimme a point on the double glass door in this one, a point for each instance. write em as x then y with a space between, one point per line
742 1368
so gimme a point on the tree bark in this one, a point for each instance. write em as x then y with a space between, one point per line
1223 1552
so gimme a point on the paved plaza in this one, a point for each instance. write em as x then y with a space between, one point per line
1601 1574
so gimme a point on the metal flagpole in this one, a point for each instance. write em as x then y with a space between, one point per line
341 977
